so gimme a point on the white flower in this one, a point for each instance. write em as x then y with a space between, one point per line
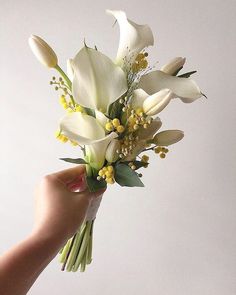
70 71
174 65
168 137
133 37
97 81
43 52
184 88
86 130
144 134
101 118
111 152
151 104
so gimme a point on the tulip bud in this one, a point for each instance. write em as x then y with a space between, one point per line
43 52
168 137
155 103
111 152
174 65
148 133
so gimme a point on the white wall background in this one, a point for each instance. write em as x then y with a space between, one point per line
176 236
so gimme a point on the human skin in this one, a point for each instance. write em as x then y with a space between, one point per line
59 213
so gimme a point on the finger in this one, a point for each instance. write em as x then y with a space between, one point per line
69 175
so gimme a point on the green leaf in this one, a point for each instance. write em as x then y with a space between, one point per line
176 73
187 75
138 164
115 110
89 112
125 176
75 161
94 184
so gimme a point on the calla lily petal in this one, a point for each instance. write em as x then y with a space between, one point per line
81 128
133 37
184 88
95 153
168 137
70 71
97 80
155 103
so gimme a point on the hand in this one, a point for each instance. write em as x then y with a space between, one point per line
59 213
59 210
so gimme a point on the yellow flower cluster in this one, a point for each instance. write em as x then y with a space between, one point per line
162 151
114 124
63 138
140 62
106 173
69 105
127 144
138 118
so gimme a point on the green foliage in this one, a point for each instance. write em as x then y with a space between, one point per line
187 75
176 73
94 184
125 176
115 110
89 112
74 161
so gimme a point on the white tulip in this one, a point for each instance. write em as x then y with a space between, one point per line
168 137
43 52
174 65
86 130
111 152
144 134
133 37
101 118
155 103
151 104
148 133
97 82
184 88
70 71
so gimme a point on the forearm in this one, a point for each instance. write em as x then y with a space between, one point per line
21 265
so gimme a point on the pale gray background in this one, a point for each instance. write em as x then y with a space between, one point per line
176 236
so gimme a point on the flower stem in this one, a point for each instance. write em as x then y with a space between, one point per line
64 76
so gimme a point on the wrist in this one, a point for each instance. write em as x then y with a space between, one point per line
51 241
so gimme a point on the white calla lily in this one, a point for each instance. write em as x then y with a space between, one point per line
70 71
97 80
174 65
133 37
86 130
184 88
168 137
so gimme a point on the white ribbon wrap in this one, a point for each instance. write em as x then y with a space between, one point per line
93 209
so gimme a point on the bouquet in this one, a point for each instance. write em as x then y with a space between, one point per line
111 109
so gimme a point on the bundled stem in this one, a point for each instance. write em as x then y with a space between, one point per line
77 252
